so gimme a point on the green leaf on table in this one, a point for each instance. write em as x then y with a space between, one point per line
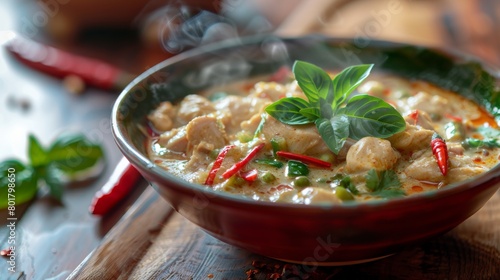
36 153
67 155
52 177
74 153
18 180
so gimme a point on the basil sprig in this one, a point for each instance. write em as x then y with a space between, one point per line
331 108
66 156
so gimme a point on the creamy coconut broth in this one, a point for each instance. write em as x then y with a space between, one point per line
194 131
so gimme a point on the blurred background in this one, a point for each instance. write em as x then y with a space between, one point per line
129 37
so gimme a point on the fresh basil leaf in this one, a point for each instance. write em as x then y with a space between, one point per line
314 82
325 108
21 179
287 111
334 131
73 153
384 184
311 113
348 80
36 153
52 177
372 116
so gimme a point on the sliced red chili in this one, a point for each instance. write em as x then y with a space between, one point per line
240 164
454 118
440 151
250 176
217 164
304 159
414 116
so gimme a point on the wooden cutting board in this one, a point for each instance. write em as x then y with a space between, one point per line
153 242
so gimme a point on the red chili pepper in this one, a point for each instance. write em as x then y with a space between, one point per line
454 118
118 186
304 159
414 116
216 166
59 63
240 164
440 152
250 176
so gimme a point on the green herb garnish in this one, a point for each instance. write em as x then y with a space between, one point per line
345 182
330 106
384 184
490 140
67 156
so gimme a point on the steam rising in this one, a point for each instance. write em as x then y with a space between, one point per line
183 28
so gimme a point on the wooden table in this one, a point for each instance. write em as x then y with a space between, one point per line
144 238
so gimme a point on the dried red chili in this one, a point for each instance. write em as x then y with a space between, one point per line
240 164
217 164
118 186
304 159
440 151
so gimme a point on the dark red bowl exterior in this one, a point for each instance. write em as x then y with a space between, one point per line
315 235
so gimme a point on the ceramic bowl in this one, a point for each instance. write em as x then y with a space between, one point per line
319 235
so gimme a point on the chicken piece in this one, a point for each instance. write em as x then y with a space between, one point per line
251 124
174 140
204 134
420 118
193 106
432 104
303 139
205 129
200 157
425 168
371 153
163 116
411 139
240 109
315 195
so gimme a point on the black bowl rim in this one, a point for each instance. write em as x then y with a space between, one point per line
138 159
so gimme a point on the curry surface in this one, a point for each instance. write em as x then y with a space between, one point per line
193 132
